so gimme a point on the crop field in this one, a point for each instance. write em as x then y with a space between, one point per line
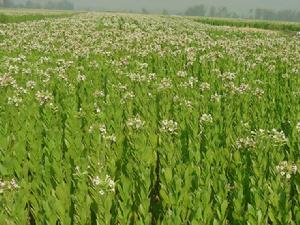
126 119
18 16
260 24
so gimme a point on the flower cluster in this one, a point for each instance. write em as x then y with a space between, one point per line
101 128
204 86
81 78
216 97
258 92
7 80
228 76
15 100
298 127
206 119
181 73
135 123
190 83
169 126
278 138
44 97
165 84
287 169
246 143
104 185
8 185
30 84
127 96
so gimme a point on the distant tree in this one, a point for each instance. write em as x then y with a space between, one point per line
287 15
212 11
223 12
32 5
145 11
165 12
50 5
8 3
234 15
268 14
198 10
258 13
298 16
66 5
250 14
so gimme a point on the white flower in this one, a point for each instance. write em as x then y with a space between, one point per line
44 97
81 77
30 84
7 80
294 169
111 138
245 143
182 74
102 129
8 185
169 126
259 92
228 76
165 84
97 108
110 182
286 169
278 137
204 86
216 97
128 95
96 181
14 184
206 118
98 94
298 127
135 123
242 88
15 100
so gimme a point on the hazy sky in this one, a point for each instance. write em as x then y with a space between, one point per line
182 5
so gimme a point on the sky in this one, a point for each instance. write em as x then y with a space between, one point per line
241 6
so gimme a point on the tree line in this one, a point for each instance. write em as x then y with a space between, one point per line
63 4
260 14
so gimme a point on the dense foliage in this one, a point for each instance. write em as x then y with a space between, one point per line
128 119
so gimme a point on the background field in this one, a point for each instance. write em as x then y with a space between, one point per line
110 118
261 24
